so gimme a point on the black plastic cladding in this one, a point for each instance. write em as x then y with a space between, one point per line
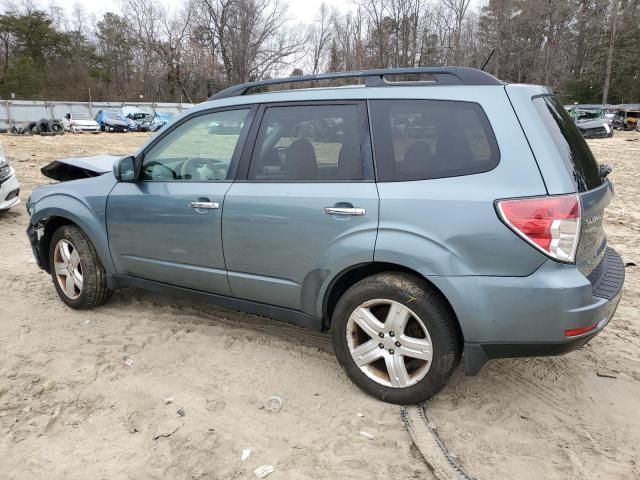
375 78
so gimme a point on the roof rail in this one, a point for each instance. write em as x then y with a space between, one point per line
375 78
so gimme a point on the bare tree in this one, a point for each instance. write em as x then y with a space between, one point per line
166 36
250 36
585 49
459 9
614 12
321 37
376 13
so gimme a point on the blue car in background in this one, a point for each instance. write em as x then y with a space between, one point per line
111 121
160 120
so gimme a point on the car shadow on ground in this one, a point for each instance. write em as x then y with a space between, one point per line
205 314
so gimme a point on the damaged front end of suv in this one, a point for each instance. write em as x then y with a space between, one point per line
50 206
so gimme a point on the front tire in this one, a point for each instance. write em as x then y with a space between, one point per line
396 338
76 270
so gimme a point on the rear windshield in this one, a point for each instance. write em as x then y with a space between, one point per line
569 142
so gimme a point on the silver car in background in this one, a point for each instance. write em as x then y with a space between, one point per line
9 186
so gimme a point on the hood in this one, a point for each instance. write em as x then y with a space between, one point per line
111 120
76 168
598 122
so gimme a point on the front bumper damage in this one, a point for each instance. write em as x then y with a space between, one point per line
35 234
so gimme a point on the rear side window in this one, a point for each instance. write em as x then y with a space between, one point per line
425 139
569 143
312 143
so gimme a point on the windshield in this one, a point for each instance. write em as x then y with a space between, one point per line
589 115
569 143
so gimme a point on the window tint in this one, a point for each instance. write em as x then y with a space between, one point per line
569 143
308 143
424 139
199 150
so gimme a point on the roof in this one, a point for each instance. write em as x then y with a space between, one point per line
376 78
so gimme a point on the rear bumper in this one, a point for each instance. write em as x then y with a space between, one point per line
503 317
477 354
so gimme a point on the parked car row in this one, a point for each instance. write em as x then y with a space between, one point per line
131 119
125 119
595 121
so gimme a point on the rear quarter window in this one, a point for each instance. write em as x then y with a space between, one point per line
427 139
569 143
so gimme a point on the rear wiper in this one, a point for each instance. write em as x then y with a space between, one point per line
604 170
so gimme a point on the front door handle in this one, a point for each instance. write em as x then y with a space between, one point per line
354 211
209 205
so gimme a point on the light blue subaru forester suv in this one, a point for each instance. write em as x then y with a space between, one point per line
419 215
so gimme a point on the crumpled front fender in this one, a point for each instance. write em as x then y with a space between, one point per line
86 207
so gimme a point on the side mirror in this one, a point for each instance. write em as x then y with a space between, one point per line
124 169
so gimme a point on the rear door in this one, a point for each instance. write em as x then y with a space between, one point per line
166 226
304 205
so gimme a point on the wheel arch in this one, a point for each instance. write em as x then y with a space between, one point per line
350 276
50 222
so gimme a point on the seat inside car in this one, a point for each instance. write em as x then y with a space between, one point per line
300 161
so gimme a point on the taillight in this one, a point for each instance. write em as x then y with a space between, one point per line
551 224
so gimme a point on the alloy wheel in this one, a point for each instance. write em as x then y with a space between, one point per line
68 269
389 343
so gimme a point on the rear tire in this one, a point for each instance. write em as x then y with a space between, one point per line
76 270
396 337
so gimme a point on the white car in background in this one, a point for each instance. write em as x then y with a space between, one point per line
80 122
9 186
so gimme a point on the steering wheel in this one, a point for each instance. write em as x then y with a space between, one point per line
189 166
148 172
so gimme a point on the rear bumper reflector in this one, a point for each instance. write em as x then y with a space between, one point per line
574 332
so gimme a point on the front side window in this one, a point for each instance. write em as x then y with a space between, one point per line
426 139
199 150
308 143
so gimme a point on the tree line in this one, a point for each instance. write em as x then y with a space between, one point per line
587 50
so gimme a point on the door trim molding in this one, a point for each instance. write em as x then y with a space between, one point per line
281 314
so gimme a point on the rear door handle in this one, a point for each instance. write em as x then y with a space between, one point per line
210 205
355 211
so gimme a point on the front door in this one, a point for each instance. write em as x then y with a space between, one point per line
166 226
304 205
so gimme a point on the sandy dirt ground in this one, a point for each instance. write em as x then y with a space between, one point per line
146 387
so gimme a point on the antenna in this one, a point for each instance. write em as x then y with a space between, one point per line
487 60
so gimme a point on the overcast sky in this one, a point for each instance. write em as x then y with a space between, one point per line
299 10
